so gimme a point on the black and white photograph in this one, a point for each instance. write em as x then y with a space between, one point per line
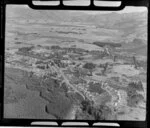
75 65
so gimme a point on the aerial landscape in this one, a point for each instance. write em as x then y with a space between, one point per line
75 65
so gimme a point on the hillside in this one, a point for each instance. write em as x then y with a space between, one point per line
131 24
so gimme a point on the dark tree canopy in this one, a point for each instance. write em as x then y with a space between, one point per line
25 49
55 47
136 85
90 112
89 66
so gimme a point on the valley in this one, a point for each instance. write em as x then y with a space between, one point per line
71 65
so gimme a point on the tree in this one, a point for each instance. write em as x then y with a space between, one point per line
85 104
31 73
90 67
64 87
134 61
114 58
98 115
104 68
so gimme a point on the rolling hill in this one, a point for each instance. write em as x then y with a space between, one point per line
133 25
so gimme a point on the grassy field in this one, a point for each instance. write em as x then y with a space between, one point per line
27 103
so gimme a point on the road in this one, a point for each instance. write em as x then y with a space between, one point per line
58 70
